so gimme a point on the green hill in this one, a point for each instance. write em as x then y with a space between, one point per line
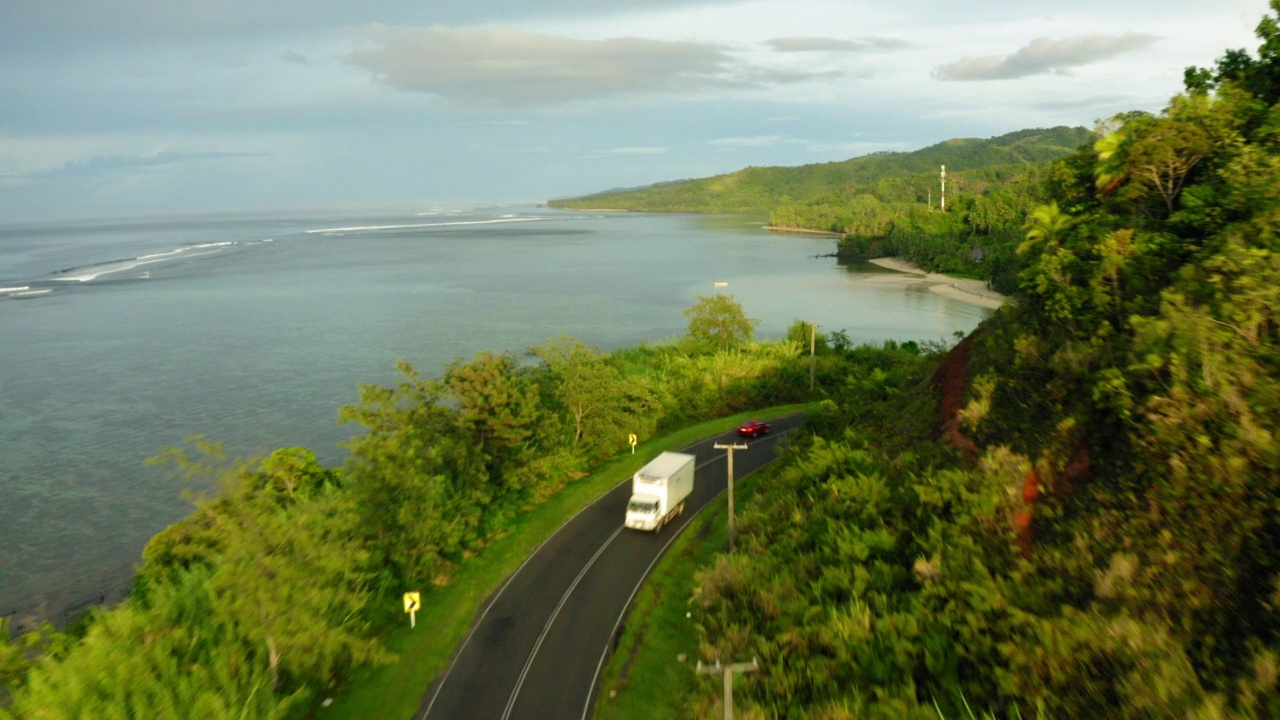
764 188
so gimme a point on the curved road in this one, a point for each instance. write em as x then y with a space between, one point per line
539 645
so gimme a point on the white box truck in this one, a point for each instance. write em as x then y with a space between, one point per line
658 491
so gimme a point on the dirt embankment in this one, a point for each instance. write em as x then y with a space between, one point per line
951 378
1062 468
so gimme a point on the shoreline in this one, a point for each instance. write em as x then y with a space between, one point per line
780 228
974 292
61 594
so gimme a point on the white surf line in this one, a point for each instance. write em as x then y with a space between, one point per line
422 225
137 263
604 654
533 654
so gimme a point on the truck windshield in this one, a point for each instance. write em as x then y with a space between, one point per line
641 506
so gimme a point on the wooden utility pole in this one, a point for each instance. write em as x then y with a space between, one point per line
730 448
813 341
727 671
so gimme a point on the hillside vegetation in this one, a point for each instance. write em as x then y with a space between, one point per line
766 188
1090 525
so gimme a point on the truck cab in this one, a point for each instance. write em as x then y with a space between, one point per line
642 512
659 490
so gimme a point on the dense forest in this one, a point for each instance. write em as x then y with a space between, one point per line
1074 512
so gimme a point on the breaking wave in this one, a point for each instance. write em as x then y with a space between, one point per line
374 228
97 270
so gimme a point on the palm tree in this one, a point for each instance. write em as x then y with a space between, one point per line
1046 224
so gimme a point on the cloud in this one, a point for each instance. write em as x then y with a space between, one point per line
97 164
295 58
635 151
1083 103
166 19
855 149
825 44
514 67
754 141
301 109
1043 55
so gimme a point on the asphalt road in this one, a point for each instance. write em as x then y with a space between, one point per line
538 647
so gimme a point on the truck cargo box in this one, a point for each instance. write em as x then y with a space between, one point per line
659 490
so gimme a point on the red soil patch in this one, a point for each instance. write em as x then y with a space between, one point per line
1022 524
1023 517
951 378
1077 471
1031 488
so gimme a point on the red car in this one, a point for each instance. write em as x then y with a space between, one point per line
753 428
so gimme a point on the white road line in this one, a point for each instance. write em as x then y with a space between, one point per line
511 702
533 654
591 689
494 601
604 654
480 620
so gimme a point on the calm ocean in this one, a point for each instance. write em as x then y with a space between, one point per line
119 339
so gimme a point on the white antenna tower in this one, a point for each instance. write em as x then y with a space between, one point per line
943 206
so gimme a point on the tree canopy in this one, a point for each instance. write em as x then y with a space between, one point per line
720 320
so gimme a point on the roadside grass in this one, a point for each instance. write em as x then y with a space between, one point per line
645 678
396 690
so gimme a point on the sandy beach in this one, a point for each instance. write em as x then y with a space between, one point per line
974 292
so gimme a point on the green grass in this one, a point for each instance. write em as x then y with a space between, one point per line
645 678
395 691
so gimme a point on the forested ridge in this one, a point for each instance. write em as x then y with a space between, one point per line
1072 513
905 174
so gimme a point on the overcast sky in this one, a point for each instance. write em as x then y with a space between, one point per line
135 107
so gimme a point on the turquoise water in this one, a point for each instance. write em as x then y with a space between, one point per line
119 340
